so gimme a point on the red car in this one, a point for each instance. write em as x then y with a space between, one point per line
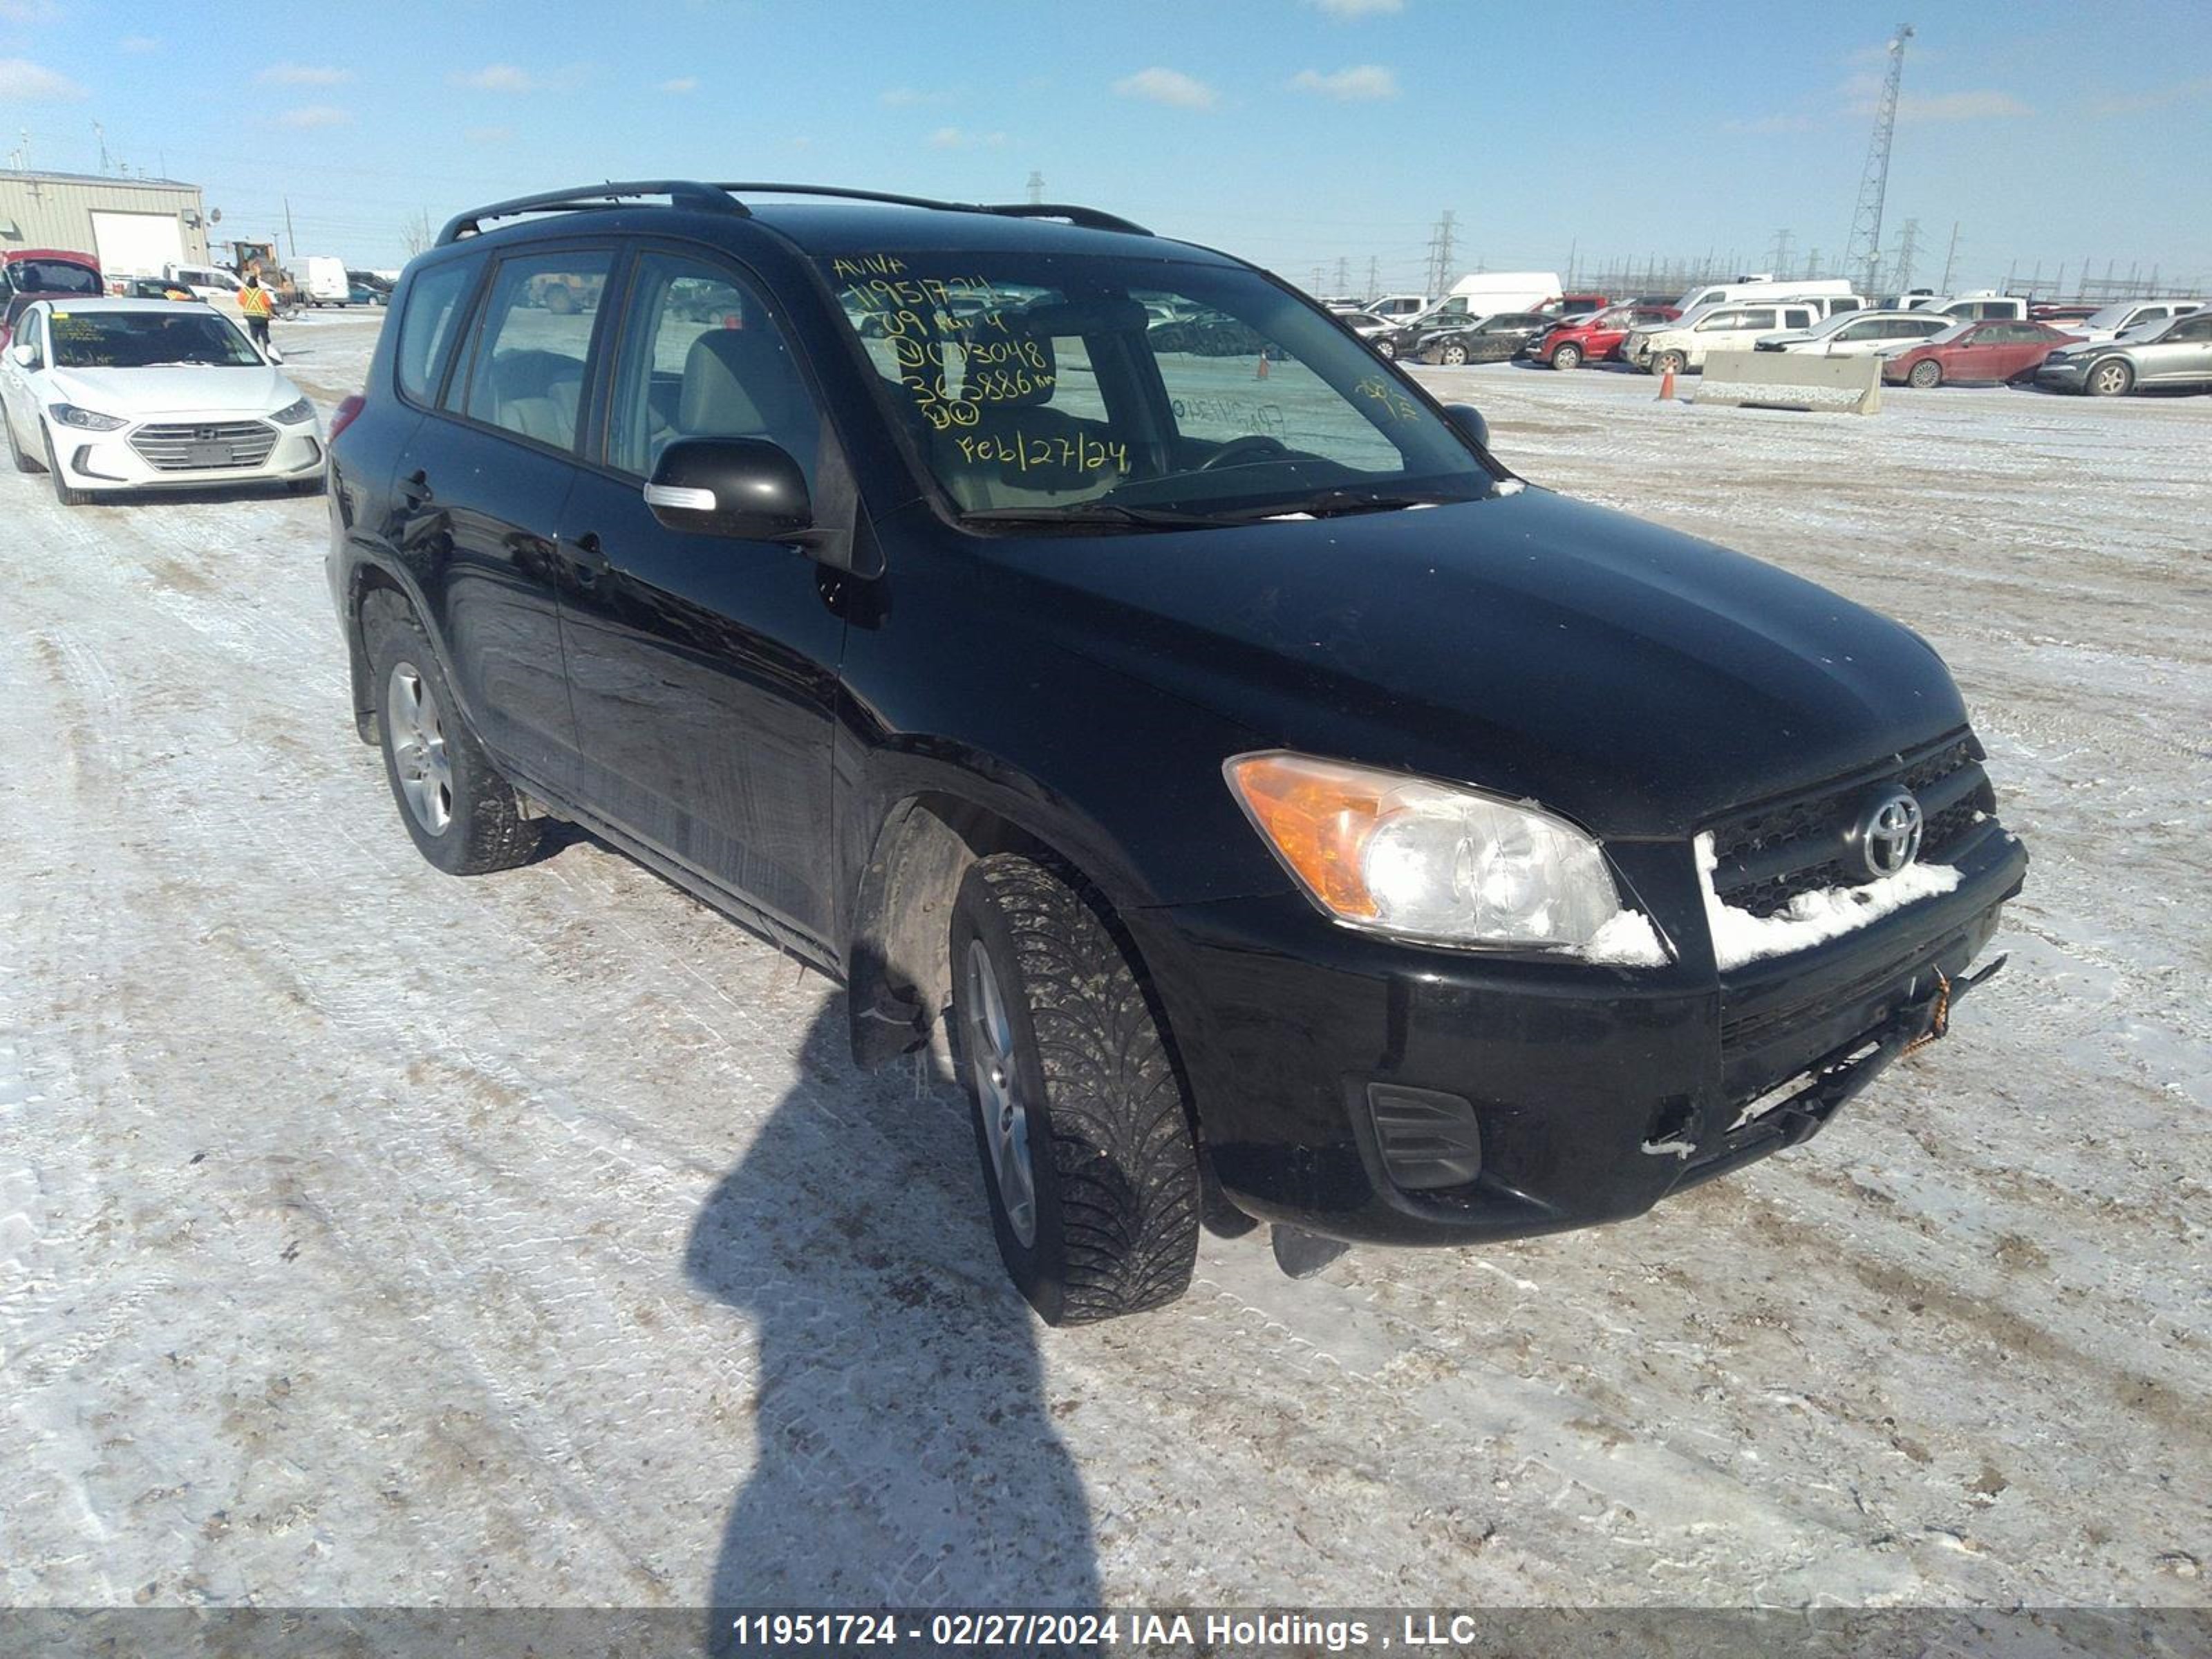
1994 350
44 271
1579 340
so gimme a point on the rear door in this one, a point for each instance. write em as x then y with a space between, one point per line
479 494
704 668
2185 353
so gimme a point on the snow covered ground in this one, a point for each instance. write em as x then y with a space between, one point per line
369 1237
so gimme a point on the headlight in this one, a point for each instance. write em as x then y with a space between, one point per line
293 413
1400 856
83 419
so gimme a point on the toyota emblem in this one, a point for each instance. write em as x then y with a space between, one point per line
1889 834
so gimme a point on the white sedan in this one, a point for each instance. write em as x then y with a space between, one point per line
1860 333
150 394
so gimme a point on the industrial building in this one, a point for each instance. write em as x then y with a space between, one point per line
135 226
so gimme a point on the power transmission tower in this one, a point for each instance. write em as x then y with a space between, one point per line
1812 265
1865 251
1440 253
1907 239
1952 259
1374 278
1035 187
1779 260
1343 275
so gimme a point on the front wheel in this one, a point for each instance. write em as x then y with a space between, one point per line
1927 375
1384 348
23 463
1567 357
1452 355
67 494
1669 362
2111 379
1087 1156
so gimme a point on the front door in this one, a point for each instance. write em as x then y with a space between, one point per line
479 493
704 669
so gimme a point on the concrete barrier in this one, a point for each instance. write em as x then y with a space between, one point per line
1792 380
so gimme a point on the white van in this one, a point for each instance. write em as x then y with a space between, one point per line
212 283
1987 307
1487 292
1767 290
324 281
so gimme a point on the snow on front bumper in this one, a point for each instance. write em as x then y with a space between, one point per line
178 452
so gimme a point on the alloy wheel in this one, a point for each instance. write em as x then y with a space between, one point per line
990 1047
418 736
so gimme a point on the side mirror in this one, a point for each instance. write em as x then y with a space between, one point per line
25 354
744 487
1469 419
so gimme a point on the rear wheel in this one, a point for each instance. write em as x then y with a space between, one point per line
2110 379
463 817
1926 374
1384 348
1567 357
1080 1126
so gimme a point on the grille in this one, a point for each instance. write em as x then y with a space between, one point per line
204 447
1765 857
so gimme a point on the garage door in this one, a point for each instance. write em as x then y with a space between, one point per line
136 244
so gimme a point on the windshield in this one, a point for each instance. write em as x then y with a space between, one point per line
147 339
53 276
2110 316
1120 390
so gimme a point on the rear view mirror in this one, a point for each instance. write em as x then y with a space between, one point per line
744 487
1469 419
25 354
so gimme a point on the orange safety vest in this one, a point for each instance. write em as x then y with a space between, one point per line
254 301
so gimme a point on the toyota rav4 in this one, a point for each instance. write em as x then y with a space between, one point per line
1272 808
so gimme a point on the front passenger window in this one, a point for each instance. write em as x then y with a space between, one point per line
702 358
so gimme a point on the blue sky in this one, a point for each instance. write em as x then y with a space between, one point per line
1294 132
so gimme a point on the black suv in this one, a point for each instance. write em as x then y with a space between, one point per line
1077 643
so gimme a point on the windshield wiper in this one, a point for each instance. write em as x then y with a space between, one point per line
1334 503
1141 518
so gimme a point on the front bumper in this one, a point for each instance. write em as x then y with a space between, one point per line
2062 377
125 459
1596 1092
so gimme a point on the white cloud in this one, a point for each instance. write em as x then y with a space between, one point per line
510 77
34 83
488 134
303 75
1167 86
1961 106
310 116
1347 10
2157 98
960 138
29 11
138 45
681 84
1359 84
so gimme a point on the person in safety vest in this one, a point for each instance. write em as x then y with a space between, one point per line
255 303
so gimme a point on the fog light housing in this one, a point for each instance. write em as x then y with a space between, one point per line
1428 1139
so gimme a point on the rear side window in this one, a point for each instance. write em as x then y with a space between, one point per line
528 374
428 326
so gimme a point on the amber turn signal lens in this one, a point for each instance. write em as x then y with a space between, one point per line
1319 818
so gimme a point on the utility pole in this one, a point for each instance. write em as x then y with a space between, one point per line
1907 239
100 133
1865 253
291 242
1374 278
1440 254
1779 260
1951 259
1035 187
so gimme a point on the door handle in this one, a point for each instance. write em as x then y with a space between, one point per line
414 489
590 561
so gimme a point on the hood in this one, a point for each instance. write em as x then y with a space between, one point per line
1636 679
184 389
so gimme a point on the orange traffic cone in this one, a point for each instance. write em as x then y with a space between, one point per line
1666 387
1262 373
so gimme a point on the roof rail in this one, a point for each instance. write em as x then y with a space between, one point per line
1089 218
724 198
681 193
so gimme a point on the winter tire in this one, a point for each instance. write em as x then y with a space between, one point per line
465 817
1080 1124
2110 379
1669 362
67 494
1567 357
1926 374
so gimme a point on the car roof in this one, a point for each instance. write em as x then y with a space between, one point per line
70 302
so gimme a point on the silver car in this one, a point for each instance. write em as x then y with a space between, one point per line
2174 353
